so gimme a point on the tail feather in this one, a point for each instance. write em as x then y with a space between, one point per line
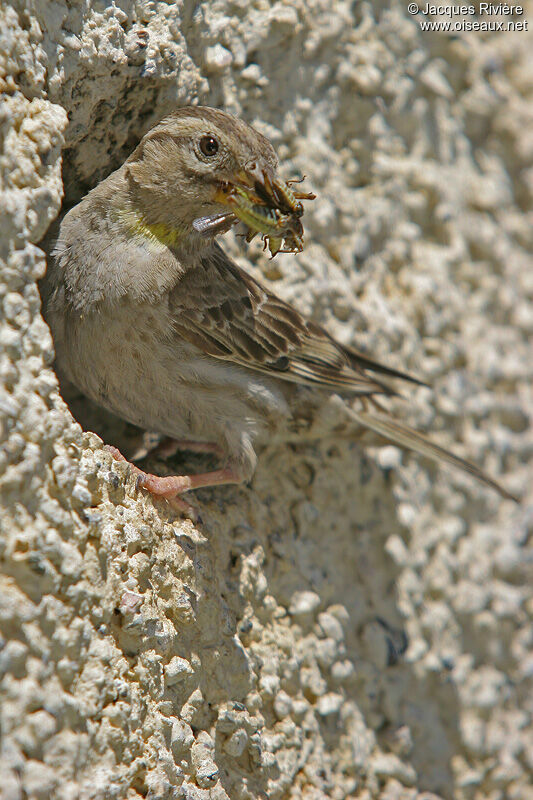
413 440
359 359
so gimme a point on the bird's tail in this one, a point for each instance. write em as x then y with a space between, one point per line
410 439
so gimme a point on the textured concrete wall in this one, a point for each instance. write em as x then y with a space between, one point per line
355 623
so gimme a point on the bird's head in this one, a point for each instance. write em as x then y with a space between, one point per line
182 168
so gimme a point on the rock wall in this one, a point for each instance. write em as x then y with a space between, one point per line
355 623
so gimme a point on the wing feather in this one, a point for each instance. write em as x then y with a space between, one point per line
228 315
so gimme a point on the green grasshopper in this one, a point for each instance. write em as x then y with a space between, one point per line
278 224
285 198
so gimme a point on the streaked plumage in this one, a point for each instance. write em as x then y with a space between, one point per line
152 320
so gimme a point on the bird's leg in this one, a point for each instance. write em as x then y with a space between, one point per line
170 488
174 485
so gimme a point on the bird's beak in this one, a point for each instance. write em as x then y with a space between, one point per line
267 205
262 180
259 182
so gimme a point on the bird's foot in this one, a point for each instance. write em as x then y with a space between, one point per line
173 486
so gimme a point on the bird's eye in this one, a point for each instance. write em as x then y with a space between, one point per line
209 146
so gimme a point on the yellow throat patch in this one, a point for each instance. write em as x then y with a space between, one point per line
159 234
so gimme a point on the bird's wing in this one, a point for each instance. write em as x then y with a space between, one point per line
228 315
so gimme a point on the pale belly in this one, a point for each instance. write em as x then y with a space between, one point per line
145 374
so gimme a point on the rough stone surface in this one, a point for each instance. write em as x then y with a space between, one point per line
355 623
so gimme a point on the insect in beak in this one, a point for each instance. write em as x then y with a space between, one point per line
274 192
267 206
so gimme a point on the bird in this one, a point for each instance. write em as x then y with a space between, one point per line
152 320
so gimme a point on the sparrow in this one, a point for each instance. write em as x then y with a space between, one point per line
154 322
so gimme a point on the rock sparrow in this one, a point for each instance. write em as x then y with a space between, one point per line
153 321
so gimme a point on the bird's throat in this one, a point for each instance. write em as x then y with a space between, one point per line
159 234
